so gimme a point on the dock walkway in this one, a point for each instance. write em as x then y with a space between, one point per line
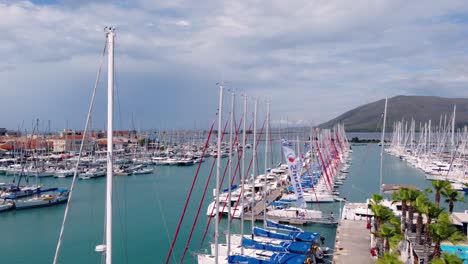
352 244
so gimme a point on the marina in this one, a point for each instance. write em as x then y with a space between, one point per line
165 182
233 132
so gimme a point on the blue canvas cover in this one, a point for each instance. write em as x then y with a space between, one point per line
249 243
287 258
304 236
273 224
297 247
239 259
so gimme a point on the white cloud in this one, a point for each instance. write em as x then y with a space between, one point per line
313 59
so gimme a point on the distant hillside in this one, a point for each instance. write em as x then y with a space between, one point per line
366 118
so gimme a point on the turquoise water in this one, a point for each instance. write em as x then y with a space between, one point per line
461 251
147 209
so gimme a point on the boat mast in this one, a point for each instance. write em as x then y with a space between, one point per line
243 169
382 147
110 118
267 139
233 96
453 126
218 170
254 162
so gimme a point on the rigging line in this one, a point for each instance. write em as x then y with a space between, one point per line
176 234
70 194
123 221
231 181
203 196
122 224
237 168
158 198
211 213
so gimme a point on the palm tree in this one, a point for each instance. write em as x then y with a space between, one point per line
386 233
447 259
376 199
444 230
438 186
451 196
389 259
411 198
420 206
402 196
382 214
431 211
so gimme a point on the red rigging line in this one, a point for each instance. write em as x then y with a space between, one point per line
190 194
324 167
219 188
232 180
224 174
200 205
251 159
312 184
235 171
240 174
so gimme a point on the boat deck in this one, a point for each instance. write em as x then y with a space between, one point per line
258 214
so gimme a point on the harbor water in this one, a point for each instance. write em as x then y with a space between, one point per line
147 209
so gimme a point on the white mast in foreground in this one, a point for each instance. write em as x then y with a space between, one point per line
107 247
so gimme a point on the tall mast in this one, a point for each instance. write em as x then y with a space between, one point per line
254 163
383 144
243 168
453 125
267 139
110 118
218 170
233 96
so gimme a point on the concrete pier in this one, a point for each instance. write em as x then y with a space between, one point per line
353 242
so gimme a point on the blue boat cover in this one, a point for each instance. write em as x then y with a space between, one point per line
282 203
249 243
294 235
297 247
237 259
284 247
233 187
265 233
287 258
277 225
304 236
48 190
277 258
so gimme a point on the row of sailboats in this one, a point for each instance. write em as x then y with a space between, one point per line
262 245
437 150
326 163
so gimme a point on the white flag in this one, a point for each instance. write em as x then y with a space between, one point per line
295 168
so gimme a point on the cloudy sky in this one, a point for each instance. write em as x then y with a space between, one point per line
313 59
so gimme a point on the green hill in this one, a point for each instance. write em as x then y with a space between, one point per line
368 117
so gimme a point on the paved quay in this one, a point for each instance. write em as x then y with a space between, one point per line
352 244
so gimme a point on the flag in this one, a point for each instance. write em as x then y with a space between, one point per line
294 169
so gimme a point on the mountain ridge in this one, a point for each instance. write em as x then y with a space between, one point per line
368 117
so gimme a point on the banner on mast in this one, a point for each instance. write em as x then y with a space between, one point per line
294 169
